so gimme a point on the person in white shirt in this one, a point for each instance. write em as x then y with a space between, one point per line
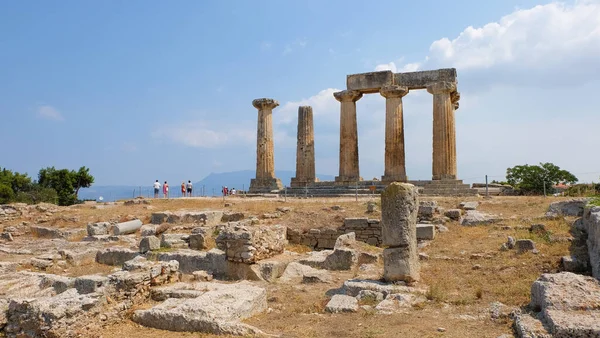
156 188
189 189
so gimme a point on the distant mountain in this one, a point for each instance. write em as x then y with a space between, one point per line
234 179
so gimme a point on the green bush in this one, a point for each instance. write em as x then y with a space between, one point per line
6 194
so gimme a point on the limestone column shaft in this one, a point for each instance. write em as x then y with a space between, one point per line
444 133
395 165
305 151
349 171
265 161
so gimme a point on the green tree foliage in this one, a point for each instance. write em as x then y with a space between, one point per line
65 182
6 194
530 179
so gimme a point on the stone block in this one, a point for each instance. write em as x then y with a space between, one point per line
420 79
425 232
78 258
89 284
369 82
453 214
174 241
126 228
399 264
232 217
212 261
149 243
524 245
115 256
342 303
202 276
197 241
148 230
341 259
345 240
99 228
399 206
472 205
249 244
573 207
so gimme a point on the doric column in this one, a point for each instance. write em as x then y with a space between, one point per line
265 180
395 168
305 151
348 136
444 135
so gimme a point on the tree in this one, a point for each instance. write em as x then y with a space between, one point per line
530 179
6 194
66 182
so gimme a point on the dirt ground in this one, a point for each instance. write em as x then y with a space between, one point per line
465 271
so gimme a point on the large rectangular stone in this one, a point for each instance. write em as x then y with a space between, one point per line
420 80
369 82
249 244
425 232
400 264
354 223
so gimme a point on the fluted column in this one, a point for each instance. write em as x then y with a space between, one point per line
265 162
395 166
305 150
348 136
444 134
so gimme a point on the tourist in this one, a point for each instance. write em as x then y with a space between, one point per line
233 191
189 189
156 188
183 189
166 190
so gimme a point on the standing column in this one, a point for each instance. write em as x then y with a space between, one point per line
444 135
305 150
395 167
348 136
265 180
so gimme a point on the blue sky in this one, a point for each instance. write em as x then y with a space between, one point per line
145 90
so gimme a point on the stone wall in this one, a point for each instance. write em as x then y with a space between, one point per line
251 244
590 224
366 230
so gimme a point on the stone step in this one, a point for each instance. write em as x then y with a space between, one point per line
528 326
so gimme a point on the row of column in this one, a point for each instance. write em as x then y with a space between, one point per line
445 102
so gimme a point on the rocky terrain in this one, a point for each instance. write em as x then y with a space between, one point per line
505 266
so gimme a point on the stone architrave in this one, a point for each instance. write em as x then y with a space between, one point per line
265 180
349 171
399 208
395 167
305 151
444 131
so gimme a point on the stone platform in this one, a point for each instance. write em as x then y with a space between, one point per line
334 188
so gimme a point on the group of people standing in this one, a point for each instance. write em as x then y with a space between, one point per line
186 189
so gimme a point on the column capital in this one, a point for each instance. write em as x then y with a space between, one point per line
454 98
441 87
265 103
393 91
347 95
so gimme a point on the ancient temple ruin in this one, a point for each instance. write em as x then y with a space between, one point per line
441 83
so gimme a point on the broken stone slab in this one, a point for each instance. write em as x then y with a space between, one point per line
197 240
471 205
400 265
425 232
90 283
249 244
174 241
125 228
79 257
213 261
567 304
342 303
53 233
474 218
345 240
218 309
353 287
202 276
399 302
206 218
295 272
573 207
99 228
41 264
54 316
370 296
149 243
572 264
115 255
356 223
232 217
271 269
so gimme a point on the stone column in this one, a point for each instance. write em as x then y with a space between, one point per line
399 208
395 168
349 172
265 180
444 135
305 150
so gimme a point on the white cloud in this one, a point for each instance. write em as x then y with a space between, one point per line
265 46
49 113
387 66
290 47
323 104
200 134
